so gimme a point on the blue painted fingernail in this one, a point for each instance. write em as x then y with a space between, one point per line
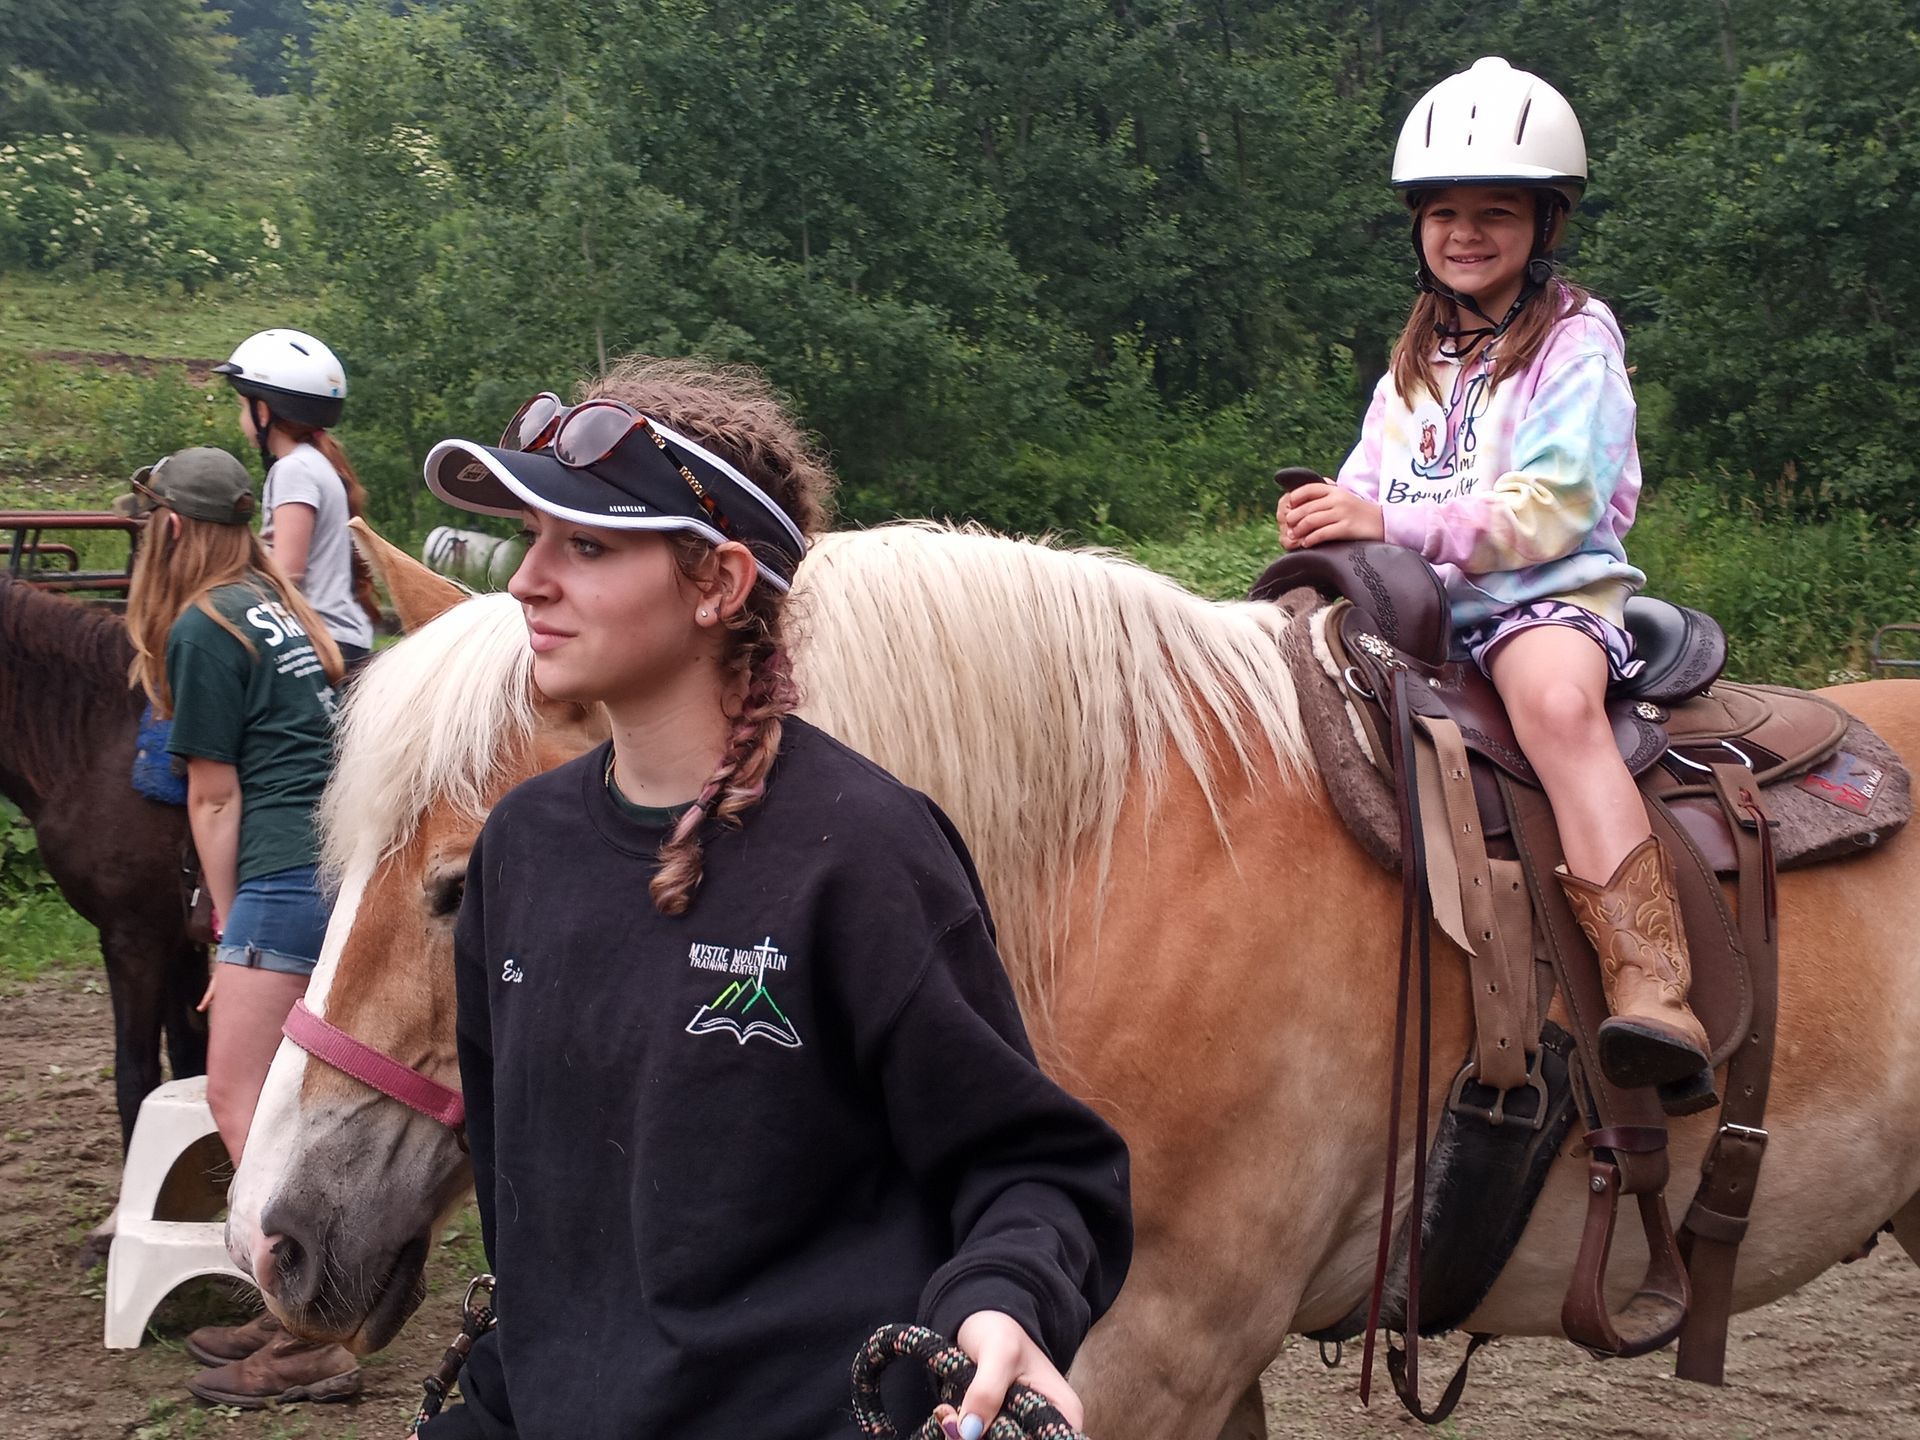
972 1427
951 1428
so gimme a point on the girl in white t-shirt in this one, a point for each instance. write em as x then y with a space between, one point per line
292 389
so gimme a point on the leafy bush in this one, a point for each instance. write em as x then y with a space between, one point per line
21 873
67 203
1799 601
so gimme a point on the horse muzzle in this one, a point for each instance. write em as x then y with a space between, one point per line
358 1296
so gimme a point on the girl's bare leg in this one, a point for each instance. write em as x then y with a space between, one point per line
1553 679
243 1031
1618 881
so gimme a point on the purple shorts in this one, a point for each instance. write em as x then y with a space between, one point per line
1480 641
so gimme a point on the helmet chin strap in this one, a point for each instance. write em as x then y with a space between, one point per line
1457 340
260 430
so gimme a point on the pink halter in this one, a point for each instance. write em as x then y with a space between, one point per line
332 1045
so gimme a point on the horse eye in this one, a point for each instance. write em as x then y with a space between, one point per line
443 895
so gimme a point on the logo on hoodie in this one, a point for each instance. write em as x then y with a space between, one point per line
745 1007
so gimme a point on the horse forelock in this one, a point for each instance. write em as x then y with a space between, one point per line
435 721
1029 689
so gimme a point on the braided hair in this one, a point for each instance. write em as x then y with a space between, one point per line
734 412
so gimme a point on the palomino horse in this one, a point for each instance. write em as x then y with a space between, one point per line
1201 950
68 720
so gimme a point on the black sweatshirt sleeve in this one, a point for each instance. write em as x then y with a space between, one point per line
484 1413
1036 1182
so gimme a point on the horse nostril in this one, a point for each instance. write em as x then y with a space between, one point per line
292 1276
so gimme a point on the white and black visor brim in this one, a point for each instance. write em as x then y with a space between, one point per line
635 488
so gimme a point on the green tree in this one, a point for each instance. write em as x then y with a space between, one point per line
1762 223
266 34
148 65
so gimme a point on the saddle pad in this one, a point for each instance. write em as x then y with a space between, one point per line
1850 802
154 775
1841 806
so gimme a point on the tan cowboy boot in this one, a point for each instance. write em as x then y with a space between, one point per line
1633 922
280 1372
221 1344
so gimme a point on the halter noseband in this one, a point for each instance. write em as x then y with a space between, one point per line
333 1046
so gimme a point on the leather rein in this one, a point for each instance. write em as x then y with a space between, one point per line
335 1047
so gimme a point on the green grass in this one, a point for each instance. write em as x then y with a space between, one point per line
255 155
38 933
101 313
40 936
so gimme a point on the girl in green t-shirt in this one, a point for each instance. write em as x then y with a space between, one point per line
228 649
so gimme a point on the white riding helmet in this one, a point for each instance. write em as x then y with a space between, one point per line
1492 125
297 376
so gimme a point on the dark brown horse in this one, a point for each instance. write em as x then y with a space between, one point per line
67 725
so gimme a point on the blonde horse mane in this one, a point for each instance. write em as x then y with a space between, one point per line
1026 688
440 719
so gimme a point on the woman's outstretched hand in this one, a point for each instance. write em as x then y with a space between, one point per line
1004 1353
1313 514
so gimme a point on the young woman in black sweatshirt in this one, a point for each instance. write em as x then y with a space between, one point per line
744 1074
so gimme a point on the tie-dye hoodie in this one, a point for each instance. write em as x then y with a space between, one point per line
1517 494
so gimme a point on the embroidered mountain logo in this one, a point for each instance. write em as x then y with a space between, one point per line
745 1008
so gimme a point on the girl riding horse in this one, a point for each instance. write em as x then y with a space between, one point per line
744 1076
1502 450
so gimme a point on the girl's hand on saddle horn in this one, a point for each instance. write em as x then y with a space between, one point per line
1004 1353
1317 513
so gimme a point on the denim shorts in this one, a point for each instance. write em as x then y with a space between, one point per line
278 922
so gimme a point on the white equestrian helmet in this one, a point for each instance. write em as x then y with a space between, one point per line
298 377
1492 125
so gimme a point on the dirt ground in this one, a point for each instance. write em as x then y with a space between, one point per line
1835 1360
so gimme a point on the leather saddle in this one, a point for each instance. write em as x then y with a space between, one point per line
1682 651
1398 599
1477 852
1670 718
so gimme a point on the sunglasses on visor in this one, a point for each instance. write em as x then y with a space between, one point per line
582 435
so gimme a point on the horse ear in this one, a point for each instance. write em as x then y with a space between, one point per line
419 594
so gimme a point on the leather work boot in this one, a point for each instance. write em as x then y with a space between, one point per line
1633 921
220 1344
282 1371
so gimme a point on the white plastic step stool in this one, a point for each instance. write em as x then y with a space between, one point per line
162 1236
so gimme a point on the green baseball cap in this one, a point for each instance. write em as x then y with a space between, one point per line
202 483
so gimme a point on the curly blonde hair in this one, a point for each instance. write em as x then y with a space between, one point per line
736 413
